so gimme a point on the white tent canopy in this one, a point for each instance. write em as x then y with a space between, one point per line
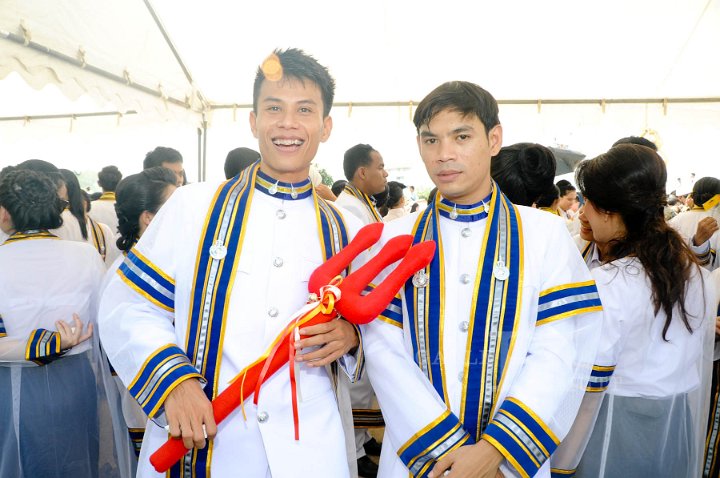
568 73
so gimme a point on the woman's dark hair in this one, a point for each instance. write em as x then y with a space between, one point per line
136 194
704 189
548 197
523 171
76 200
395 193
630 180
31 199
338 186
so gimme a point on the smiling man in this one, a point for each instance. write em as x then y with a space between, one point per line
504 320
217 276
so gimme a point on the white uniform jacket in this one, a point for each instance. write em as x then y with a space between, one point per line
686 224
514 371
179 309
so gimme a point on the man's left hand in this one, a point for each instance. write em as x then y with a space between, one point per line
335 338
481 460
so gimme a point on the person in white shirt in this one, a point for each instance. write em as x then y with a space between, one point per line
56 393
644 413
102 209
395 201
502 323
138 199
699 225
365 171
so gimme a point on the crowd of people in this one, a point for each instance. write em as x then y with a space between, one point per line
558 330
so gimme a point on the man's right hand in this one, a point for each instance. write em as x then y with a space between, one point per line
187 409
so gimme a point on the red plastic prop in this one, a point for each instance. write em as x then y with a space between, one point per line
335 297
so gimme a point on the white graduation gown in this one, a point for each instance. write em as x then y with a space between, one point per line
281 248
645 410
686 224
554 343
59 409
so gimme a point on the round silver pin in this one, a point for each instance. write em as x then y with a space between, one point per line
500 271
273 189
486 208
454 213
466 232
294 194
280 214
218 251
420 279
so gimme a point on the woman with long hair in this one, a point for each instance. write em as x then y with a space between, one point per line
137 199
53 386
647 394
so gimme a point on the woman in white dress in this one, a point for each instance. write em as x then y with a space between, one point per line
53 396
647 395
138 198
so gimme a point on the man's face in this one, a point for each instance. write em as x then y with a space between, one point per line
567 200
176 168
456 151
375 174
289 127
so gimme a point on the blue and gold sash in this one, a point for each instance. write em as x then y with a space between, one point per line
225 228
365 199
493 317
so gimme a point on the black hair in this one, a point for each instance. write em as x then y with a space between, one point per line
639 140
629 180
461 96
43 167
239 159
355 158
338 186
75 200
395 193
136 194
704 189
298 65
547 198
564 186
523 171
109 177
161 155
31 200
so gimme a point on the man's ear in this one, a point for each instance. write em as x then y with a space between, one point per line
495 139
253 125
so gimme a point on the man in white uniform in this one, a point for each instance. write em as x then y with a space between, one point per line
503 323
365 170
212 282
103 208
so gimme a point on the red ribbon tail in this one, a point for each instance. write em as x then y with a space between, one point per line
293 390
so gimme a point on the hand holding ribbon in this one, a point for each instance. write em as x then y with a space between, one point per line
334 296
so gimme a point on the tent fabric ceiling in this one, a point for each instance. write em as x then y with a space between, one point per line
377 50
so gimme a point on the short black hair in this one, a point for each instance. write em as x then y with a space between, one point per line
239 159
298 65
338 186
355 158
547 198
109 177
395 193
161 155
564 186
462 96
31 199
